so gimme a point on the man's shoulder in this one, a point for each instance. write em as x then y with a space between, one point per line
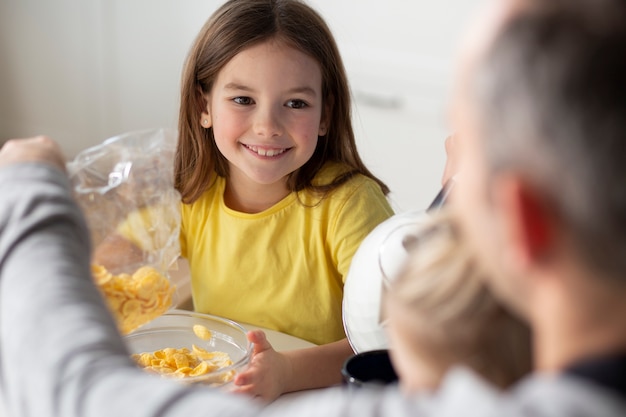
465 393
564 395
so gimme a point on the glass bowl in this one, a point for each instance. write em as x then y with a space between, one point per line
174 329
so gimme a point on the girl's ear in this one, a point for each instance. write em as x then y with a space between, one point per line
203 103
205 119
323 129
325 121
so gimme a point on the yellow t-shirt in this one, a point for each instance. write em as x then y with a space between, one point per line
283 268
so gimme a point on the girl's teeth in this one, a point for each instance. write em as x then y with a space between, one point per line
266 152
274 152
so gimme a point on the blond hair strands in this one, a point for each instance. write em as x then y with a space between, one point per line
235 26
455 317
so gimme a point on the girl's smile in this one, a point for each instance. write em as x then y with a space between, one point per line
265 152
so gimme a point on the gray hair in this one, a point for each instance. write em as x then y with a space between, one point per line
551 99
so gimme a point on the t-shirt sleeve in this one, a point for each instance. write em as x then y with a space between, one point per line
359 211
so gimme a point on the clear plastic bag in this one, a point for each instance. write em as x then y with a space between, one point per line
125 188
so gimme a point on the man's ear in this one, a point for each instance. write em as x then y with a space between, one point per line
526 218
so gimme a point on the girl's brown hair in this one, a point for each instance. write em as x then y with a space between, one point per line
240 24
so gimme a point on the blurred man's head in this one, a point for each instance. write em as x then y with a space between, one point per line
541 107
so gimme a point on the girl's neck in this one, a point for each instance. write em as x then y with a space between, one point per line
248 197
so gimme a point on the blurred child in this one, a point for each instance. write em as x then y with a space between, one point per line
440 313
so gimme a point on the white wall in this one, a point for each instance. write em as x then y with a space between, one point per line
84 70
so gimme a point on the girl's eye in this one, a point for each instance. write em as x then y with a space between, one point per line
245 101
296 104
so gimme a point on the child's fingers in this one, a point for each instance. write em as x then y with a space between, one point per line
248 390
258 338
251 391
245 378
247 384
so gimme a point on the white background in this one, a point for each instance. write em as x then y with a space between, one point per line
84 70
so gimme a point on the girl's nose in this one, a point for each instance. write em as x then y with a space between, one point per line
267 122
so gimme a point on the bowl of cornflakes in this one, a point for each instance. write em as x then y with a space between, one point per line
191 347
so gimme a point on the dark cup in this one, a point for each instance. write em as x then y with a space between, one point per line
369 368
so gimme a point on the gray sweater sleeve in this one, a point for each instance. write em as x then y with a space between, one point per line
60 353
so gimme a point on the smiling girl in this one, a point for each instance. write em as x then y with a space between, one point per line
276 199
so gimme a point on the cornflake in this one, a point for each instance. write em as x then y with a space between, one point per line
201 332
134 299
184 363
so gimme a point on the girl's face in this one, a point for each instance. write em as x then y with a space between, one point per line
266 111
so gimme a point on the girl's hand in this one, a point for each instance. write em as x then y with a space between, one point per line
269 372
